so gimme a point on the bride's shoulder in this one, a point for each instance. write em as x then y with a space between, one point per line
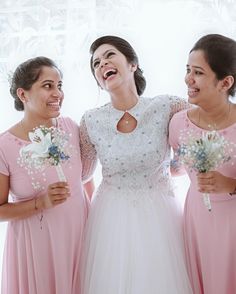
156 100
100 110
166 99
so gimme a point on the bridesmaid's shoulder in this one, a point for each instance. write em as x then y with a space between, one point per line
182 114
67 120
68 124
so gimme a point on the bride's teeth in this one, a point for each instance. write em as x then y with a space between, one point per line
54 104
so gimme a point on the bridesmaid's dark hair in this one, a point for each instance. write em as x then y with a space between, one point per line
26 74
127 50
220 54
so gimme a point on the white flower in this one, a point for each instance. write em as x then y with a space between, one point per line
39 146
48 147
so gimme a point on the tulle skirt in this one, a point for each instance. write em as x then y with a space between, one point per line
133 243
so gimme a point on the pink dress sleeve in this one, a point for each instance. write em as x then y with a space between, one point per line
88 152
3 164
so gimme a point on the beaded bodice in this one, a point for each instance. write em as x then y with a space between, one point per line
138 159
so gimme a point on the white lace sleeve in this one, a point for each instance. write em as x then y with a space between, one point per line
177 104
88 152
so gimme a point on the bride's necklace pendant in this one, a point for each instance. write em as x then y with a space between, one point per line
126 120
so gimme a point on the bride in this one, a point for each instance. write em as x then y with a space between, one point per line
133 242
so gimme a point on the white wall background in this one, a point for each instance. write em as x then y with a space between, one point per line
161 31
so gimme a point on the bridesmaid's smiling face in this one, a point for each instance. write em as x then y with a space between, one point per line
44 98
200 79
111 68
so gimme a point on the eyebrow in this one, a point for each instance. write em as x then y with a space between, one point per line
50 81
195 66
104 53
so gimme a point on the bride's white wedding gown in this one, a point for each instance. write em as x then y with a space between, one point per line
133 242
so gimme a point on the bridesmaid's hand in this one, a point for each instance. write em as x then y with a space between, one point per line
215 182
57 193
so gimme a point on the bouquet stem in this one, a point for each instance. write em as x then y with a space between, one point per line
60 173
207 201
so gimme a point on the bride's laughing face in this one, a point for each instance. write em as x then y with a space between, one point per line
111 68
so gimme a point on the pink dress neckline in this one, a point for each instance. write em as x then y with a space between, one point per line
28 141
199 128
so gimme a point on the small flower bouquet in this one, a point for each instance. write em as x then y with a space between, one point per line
204 153
48 148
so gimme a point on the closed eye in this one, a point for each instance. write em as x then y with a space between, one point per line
96 64
110 54
106 55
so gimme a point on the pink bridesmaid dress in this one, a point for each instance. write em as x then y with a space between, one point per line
210 237
42 252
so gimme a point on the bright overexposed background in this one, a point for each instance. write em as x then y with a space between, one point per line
161 31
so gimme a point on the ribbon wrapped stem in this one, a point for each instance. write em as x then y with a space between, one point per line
207 201
60 173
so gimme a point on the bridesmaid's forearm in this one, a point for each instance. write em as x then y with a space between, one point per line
13 211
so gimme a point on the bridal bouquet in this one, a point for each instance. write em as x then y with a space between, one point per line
48 147
204 153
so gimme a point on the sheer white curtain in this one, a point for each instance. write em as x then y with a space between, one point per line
162 32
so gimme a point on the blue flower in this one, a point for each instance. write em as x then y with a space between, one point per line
63 156
53 150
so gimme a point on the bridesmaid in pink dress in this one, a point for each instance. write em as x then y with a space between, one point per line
210 237
46 223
